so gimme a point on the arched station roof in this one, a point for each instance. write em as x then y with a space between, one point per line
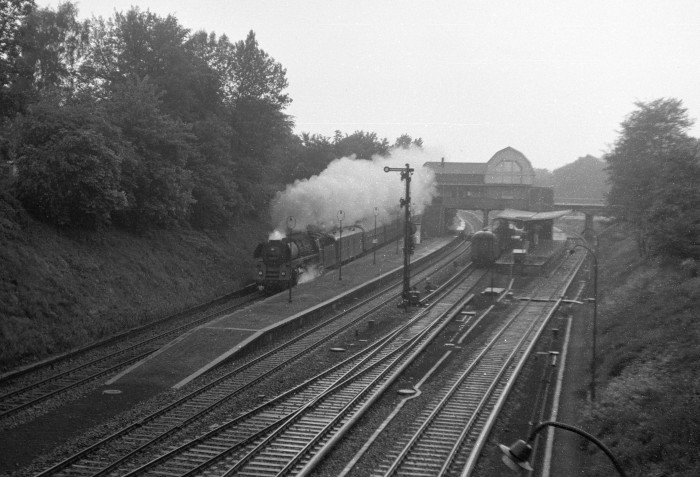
509 166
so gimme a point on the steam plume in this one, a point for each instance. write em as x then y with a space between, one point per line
356 187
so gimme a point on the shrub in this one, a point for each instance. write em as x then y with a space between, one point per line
68 165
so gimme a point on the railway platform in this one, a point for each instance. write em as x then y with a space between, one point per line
201 349
539 260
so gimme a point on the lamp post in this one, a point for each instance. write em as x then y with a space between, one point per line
291 222
516 456
341 216
374 240
595 312
405 202
492 267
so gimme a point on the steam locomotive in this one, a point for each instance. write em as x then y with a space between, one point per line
280 263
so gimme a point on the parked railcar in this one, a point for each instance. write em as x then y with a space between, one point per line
490 243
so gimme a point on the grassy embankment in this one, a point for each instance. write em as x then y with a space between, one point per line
63 290
648 401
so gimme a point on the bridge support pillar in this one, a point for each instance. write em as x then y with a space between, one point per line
588 226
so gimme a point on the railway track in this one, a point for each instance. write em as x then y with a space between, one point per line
54 378
129 446
450 433
280 437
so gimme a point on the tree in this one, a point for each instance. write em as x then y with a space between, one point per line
405 142
216 191
361 144
69 164
309 155
135 45
675 212
584 178
39 50
53 46
250 73
13 72
154 175
649 137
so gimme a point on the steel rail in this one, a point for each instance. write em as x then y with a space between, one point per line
325 426
435 462
169 429
30 395
489 357
482 438
238 441
70 355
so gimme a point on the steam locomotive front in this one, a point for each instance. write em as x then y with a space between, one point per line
272 267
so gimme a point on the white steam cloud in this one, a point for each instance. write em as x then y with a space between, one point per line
309 274
356 187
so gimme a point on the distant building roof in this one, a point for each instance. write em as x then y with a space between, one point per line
457 167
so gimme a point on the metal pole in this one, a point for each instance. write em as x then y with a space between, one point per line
291 222
398 211
406 202
407 238
595 317
493 266
374 242
595 322
341 216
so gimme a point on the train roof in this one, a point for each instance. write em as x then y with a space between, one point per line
529 216
348 231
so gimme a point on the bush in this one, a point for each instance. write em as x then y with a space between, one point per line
69 170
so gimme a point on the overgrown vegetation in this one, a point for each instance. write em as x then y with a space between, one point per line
137 122
654 170
648 403
647 410
61 290
137 162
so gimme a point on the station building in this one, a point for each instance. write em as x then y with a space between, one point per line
504 182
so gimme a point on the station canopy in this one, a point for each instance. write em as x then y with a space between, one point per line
527 216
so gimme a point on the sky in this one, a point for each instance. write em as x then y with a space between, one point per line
552 79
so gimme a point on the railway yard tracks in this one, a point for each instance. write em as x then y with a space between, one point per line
448 436
182 416
207 431
56 378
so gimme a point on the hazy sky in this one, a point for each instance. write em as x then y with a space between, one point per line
553 79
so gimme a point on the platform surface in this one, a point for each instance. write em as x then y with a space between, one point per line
205 346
